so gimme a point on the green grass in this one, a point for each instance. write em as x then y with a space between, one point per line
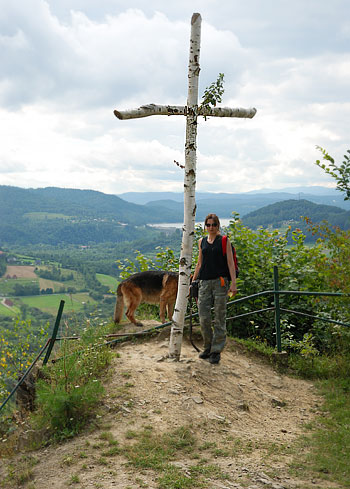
108 280
157 452
50 303
5 311
328 444
7 286
45 283
78 281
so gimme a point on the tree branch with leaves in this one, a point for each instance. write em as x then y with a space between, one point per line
341 173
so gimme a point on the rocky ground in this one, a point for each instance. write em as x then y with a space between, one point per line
242 417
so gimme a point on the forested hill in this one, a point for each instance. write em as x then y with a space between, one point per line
290 211
16 202
56 215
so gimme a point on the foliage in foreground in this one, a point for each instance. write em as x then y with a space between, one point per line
71 389
340 173
18 347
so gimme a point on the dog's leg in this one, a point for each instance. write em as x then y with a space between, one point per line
170 309
162 306
132 302
119 306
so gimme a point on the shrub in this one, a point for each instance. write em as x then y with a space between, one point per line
68 395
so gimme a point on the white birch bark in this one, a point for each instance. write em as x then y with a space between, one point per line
189 190
153 109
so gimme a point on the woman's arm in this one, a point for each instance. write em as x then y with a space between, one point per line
199 261
231 267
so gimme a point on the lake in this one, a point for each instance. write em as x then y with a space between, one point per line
178 225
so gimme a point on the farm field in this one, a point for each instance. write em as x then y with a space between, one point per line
108 280
21 271
50 303
6 311
45 283
7 285
25 275
74 291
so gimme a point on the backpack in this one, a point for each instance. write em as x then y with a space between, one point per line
224 247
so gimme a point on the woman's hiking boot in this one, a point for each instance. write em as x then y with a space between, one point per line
204 354
214 357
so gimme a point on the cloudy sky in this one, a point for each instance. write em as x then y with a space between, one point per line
65 65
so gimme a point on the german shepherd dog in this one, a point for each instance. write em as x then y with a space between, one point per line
152 287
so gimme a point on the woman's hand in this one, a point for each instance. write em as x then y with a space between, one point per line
232 291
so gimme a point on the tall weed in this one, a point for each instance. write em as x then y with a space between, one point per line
71 389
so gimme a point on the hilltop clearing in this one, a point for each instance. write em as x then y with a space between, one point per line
167 424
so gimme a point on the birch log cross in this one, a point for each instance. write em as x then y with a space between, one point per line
191 111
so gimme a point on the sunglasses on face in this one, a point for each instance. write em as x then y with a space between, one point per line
211 225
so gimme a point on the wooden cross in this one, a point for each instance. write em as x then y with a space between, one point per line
191 111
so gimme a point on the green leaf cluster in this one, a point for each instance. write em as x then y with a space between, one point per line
341 173
165 259
213 94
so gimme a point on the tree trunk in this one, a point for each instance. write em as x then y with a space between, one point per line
189 190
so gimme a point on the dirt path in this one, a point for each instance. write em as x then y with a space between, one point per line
244 417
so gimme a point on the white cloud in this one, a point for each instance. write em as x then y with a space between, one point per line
65 67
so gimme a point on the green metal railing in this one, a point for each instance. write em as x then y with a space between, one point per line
276 293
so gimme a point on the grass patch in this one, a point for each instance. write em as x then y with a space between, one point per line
7 286
107 280
71 390
328 445
153 452
150 450
19 473
5 311
50 303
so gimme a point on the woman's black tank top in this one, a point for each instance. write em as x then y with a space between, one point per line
214 263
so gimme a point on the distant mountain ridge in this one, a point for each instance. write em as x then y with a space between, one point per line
146 197
55 215
291 212
224 204
76 203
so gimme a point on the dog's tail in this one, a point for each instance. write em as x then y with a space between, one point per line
119 305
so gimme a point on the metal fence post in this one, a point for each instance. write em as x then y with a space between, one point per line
54 333
277 309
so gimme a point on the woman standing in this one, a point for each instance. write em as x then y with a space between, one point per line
214 271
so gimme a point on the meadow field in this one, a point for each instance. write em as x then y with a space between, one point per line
25 275
50 303
108 280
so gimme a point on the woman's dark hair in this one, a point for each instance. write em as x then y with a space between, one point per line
214 217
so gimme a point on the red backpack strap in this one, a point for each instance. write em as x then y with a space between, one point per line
224 245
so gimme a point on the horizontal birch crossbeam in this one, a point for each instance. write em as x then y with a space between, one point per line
153 109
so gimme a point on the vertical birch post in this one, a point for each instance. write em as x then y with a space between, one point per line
189 190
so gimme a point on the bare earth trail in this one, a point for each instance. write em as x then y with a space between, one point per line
244 415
